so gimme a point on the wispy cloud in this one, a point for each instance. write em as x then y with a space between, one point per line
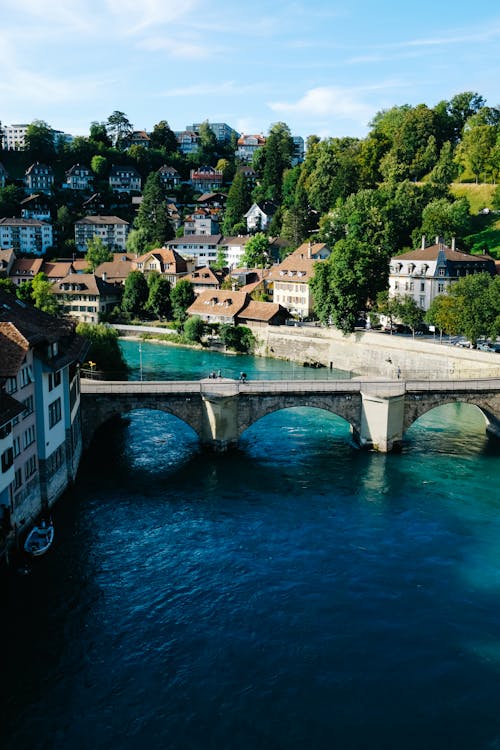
224 88
326 101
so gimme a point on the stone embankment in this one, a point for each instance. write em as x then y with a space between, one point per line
375 353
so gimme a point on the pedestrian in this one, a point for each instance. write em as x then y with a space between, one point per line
399 372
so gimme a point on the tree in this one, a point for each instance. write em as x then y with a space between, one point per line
256 253
104 349
159 295
277 157
296 223
99 134
135 293
10 198
152 217
137 242
238 338
335 174
43 296
119 128
24 291
181 297
97 253
208 145
7 285
238 202
409 313
163 137
99 166
475 149
445 169
39 141
194 329
442 218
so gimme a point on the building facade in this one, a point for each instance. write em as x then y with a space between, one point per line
112 230
25 235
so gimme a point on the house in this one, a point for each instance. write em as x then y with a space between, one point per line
163 260
201 221
263 314
25 235
291 279
205 279
431 270
222 306
259 215
298 150
13 136
57 270
169 177
39 178
112 230
202 249
86 297
39 369
3 175
35 206
139 138
79 177
115 271
212 200
124 179
247 145
206 178
174 216
25 269
7 259
248 173
234 249
188 141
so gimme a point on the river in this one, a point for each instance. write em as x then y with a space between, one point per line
293 593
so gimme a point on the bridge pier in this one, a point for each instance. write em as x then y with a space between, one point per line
382 418
219 421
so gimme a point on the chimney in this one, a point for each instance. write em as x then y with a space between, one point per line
309 250
437 239
453 243
103 276
423 242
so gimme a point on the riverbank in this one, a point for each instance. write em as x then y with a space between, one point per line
365 352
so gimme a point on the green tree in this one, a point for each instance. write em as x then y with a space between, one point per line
24 291
10 198
238 202
409 313
99 166
119 128
7 285
135 293
137 242
256 253
277 157
237 338
99 134
473 297
194 329
104 349
445 169
163 137
159 295
208 146
475 149
181 297
152 217
43 295
444 218
39 141
97 253
335 174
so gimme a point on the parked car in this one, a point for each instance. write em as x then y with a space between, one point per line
488 346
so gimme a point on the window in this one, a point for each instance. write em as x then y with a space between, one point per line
422 286
11 385
29 436
54 412
422 301
54 379
7 459
440 287
28 407
441 271
30 467
18 479
26 376
17 446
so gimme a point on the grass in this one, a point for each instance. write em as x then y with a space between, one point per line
479 196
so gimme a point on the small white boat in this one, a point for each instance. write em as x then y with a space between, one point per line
39 539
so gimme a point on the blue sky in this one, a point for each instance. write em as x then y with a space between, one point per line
324 67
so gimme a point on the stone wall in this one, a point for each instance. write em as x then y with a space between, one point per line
375 353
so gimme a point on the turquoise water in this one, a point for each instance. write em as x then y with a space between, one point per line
292 593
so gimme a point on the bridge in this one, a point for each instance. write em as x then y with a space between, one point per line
379 412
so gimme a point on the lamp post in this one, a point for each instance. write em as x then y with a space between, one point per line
92 365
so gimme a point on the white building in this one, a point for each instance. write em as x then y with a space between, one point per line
431 270
201 249
25 235
112 230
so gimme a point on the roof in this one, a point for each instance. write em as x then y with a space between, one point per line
211 197
115 169
78 167
36 326
312 248
432 252
13 349
196 239
263 311
242 240
204 275
9 408
297 266
35 198
37 166
58 269
88 283
167 256
223 302
99 220
17 222
115 270
6 255
26 267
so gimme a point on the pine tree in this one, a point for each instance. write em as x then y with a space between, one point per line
152 216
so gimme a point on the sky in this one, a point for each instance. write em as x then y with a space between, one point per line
323 67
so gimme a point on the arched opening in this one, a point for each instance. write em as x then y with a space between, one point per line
455 427
142 442
296 431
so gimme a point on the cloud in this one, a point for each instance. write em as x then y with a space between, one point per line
183 49
326 101
137 16
224 88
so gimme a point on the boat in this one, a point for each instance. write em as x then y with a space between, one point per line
39 539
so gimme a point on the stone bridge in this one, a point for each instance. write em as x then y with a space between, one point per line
378 411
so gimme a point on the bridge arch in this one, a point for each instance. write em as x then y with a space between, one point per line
416 405
292 411
251 411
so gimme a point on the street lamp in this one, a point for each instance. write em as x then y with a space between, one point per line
92 365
